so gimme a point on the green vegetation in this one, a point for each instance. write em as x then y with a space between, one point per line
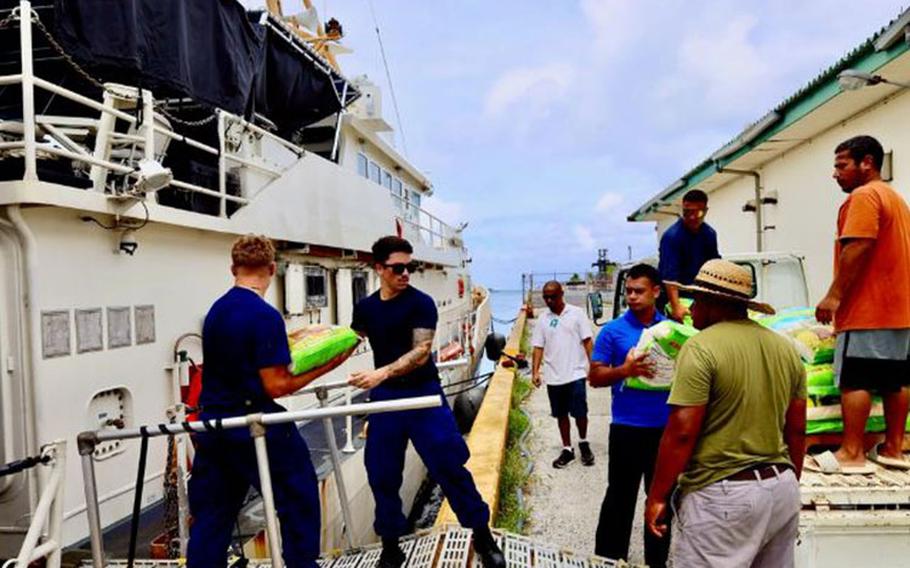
513 515
524 345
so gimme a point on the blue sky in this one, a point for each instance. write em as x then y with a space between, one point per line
543 124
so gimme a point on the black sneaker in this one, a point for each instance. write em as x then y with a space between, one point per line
392 556
587 456
565 458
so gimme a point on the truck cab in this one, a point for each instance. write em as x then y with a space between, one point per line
779 277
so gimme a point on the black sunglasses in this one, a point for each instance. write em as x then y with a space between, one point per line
550 296
400 267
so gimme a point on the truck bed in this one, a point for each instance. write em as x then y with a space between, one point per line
886 487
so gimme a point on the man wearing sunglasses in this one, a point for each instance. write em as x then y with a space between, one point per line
685 247
400 322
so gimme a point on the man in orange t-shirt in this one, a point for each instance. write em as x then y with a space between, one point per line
869 302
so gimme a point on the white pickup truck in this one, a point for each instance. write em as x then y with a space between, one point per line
846 521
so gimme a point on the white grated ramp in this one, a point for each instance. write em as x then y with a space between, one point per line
456 549
446 547
424 553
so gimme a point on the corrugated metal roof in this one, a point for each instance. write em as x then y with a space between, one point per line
866 56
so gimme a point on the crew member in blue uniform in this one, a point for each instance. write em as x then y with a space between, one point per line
685 247
400 322
246 354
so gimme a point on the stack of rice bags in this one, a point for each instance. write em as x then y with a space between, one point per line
661 344
316 345
815 343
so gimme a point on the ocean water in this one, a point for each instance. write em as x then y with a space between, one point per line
505 305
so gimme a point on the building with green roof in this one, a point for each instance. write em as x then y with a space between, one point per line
771 187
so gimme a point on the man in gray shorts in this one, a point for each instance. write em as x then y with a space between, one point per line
870 306
734 442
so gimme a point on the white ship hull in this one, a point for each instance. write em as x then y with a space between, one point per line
89 333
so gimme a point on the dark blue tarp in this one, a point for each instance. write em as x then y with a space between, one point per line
208 50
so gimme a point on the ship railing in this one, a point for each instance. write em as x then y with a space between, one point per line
257 424
147 128
421 224
47 521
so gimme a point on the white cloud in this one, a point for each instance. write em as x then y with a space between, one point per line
585 238
616 23
531 88
609 202
451 212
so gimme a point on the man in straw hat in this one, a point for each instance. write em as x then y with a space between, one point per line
734 441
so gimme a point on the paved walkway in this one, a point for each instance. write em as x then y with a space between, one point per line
565 503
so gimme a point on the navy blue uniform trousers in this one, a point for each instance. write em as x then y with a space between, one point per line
438 442
223 471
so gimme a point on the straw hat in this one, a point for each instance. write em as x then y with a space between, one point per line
727 280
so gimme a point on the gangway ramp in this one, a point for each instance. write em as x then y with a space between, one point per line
440 547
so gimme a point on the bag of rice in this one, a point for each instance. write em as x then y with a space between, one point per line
820 375
814 341
314 346
661 343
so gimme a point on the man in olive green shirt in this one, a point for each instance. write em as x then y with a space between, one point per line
735 438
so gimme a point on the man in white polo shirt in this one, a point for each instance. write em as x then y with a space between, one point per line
562 342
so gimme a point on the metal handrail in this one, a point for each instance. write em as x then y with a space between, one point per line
441 232
29 143
49 511
257 424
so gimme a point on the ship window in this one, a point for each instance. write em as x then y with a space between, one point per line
119 327
415 198
362 165
375 172
358 286
387 180
145 324
55 333
89 330
316 287
396 187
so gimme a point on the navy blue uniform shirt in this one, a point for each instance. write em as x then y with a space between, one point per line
630 407
683 252
390 325
242 334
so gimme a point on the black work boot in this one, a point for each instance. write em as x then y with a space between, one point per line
485 546
392 556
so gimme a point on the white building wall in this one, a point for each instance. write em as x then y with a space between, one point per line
804 219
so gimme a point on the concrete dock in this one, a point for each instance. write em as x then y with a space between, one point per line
565 503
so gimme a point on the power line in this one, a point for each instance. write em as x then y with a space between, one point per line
388 75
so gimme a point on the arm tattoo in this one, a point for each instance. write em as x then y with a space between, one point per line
422 346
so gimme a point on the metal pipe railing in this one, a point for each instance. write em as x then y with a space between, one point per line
49 511
257 424
28 91
147 130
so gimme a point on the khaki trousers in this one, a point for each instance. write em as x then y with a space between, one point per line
733 524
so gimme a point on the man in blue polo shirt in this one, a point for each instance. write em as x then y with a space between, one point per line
638 418
685 247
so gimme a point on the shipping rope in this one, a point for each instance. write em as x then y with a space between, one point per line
23 464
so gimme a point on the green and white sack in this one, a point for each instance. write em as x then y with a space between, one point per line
661 343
